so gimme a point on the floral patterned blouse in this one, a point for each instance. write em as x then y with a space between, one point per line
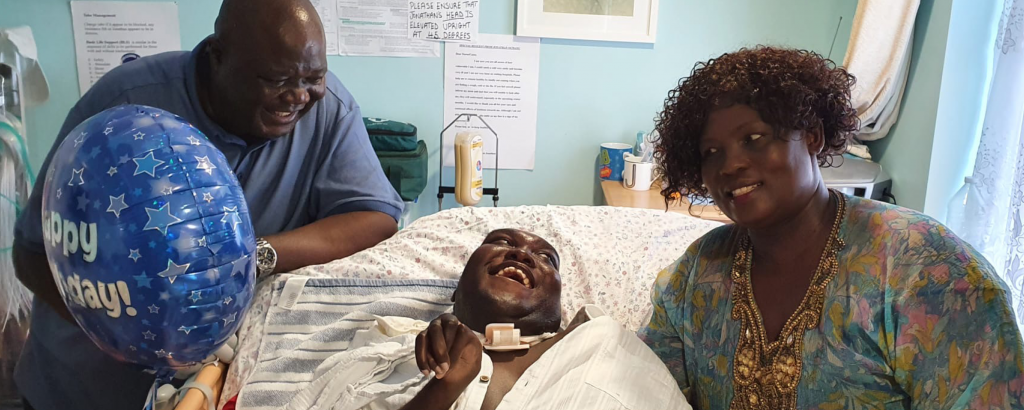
914 318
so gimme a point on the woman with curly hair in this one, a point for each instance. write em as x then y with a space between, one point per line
814 299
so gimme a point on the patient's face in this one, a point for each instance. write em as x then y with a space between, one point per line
511 278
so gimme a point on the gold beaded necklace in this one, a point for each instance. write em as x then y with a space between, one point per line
766 375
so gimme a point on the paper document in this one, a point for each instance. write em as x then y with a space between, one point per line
497 78
110 33
379 28
444 20
328 11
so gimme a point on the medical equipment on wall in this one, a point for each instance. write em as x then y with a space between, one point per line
858 177
469 151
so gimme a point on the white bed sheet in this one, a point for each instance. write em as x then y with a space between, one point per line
609 258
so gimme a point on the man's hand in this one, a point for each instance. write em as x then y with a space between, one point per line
451 350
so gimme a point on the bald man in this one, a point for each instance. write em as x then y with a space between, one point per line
260 90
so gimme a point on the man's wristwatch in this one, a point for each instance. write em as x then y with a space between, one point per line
266 258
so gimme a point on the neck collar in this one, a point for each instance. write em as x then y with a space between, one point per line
503 337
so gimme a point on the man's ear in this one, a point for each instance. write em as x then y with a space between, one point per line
815 140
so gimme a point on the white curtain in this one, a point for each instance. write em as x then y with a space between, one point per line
882 29
999 171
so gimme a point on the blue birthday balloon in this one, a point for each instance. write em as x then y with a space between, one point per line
148 237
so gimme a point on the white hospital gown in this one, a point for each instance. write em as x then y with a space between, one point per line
599 365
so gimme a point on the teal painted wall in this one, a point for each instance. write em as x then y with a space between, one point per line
966 76
590 92
906 152
932 146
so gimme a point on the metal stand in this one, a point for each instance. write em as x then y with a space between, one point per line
441 188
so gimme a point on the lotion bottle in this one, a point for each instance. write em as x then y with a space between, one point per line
469 172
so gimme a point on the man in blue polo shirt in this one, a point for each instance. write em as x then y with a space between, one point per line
260 90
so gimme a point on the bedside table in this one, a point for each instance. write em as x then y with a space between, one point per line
617 195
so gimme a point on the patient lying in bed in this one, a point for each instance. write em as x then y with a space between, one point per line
511 278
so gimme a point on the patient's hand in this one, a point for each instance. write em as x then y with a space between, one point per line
451 350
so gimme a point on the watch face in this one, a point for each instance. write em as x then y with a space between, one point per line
265 258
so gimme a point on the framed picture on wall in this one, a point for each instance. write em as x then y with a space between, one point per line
634 21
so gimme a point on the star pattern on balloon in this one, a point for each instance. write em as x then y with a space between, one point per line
160 219
163 186
231 213
173 270
238 265
76 177
185 241
143 281
146 165
205 165
152 212
117 205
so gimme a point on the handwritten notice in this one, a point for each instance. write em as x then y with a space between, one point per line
444 20
379 28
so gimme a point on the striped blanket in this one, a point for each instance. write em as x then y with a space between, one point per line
311 319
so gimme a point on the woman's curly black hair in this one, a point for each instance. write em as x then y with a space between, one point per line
790 89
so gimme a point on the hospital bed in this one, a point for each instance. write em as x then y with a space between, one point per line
609 257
